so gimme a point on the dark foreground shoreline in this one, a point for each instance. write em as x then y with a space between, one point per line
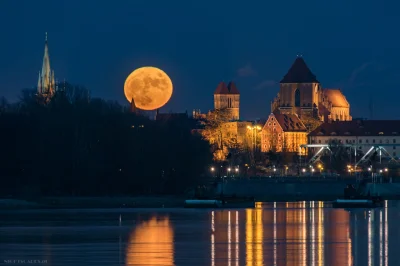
93 202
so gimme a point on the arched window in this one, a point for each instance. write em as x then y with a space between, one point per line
297 98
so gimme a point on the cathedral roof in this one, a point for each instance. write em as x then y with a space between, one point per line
299 73
223 89
359 128
336 97
289 122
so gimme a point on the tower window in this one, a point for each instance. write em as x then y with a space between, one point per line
297 98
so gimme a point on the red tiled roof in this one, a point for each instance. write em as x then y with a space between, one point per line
232 88
359 128
290 122
223 89
299 73
336 97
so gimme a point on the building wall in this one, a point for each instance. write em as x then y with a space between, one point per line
308 94
373 140
229 101
237 130
271 136
340 113
274 138
293 140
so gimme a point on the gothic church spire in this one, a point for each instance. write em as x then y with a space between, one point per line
46 76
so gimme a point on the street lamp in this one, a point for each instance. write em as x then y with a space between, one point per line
229 170
254 130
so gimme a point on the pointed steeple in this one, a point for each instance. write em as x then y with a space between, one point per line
299 73
46 81
133 106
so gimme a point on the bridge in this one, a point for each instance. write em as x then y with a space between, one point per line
380 148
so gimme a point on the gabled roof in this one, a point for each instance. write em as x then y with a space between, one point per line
299 73
223 89
359 128
289 122
232 88
336 97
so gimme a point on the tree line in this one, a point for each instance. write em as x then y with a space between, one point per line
83 146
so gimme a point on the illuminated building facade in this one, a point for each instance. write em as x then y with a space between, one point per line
283 133
227 97
371 132
301 93
46 84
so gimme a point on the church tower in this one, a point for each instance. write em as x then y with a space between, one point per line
46 84
227 97
299 91
133 107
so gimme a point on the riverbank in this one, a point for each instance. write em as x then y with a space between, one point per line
93 202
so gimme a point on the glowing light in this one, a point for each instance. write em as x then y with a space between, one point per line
275 242
237 238
152 243
229 238
149 87
370 241
212 239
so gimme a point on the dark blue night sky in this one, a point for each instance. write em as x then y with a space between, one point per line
352 45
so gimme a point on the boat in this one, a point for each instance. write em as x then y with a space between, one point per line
358 203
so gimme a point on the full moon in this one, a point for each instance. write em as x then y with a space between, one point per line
149 87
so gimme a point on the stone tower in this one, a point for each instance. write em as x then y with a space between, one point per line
227 97
46 84
299 91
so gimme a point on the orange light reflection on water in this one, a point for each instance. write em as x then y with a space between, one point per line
151 243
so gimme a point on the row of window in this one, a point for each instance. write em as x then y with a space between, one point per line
394 154
387 141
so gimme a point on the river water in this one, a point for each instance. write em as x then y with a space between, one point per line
301 233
